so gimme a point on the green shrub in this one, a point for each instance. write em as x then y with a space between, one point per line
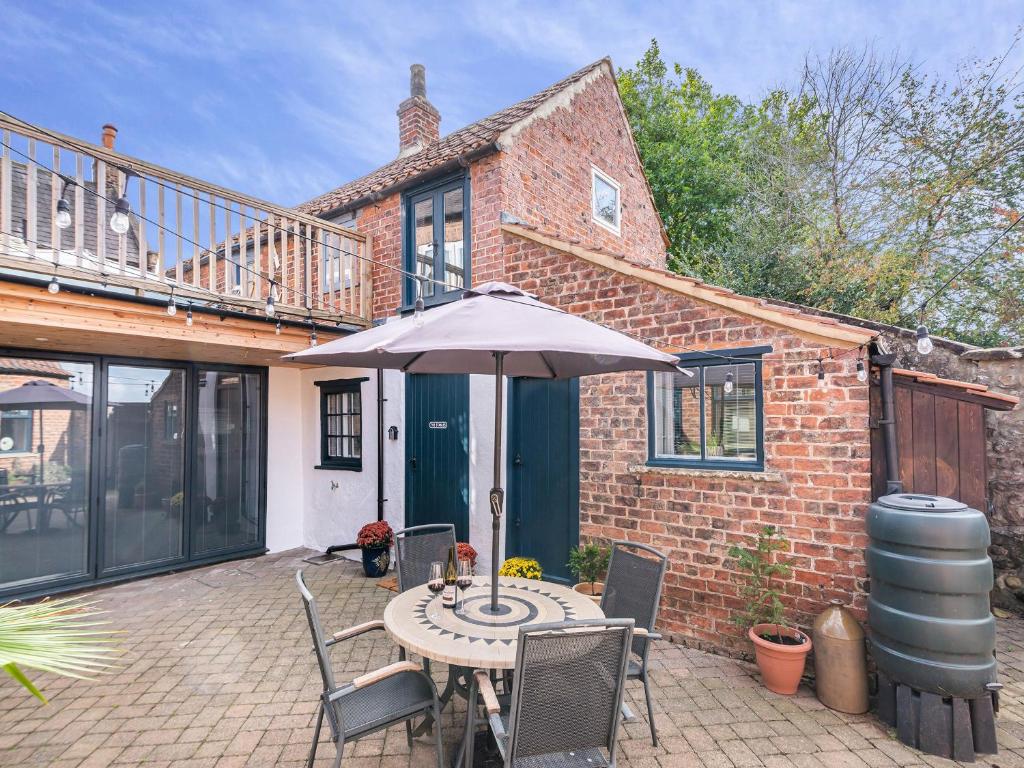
760 568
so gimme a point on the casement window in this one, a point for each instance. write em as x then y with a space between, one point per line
15 431
436 240
606 204
341 424
713 419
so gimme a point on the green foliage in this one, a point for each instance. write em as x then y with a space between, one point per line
58 636
760 567
589 562
861 192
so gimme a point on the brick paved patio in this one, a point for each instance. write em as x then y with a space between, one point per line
217 672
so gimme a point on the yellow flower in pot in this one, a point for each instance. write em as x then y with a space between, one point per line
521 567
781 651
589 563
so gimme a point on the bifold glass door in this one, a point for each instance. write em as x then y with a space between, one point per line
111 467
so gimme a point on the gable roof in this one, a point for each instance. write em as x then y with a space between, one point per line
475 139
825 330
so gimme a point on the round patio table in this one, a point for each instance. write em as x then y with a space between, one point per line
470 636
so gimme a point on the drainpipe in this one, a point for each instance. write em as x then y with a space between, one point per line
893 484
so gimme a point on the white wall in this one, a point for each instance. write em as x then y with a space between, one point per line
481 466
285 459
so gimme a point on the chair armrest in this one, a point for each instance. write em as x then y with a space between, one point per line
385 672
487 693
644 634
358 629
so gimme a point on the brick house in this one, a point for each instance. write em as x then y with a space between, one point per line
550 195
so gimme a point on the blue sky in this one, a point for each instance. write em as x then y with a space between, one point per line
285 100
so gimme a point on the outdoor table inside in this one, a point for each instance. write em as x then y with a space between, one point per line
472 637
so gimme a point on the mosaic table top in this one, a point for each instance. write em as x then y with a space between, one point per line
471 637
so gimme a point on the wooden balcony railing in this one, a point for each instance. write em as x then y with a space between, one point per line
186 237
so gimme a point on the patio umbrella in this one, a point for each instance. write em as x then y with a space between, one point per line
40 395
494 329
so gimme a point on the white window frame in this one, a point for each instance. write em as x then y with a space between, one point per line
596 173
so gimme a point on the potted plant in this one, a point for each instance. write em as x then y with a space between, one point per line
375 540
521 567
781 651
589 562
465 551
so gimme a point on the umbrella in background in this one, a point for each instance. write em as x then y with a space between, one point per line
40 395
494 329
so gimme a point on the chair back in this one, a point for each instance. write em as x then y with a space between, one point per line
567 694
316 630
632 588
417 547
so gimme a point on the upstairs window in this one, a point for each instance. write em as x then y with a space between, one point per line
436 240
605 202
15 431
712 419
341 424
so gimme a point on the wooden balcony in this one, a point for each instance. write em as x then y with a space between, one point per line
188 238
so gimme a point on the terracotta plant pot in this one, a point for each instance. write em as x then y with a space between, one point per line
593 591
781 665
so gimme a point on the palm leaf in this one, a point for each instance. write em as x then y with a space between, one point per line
57 636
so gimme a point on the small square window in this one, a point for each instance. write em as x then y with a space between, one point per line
605 201
341 424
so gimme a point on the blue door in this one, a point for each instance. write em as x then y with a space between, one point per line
544 471
437 451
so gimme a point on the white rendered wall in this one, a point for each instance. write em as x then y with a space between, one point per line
481 466
337 503
285 459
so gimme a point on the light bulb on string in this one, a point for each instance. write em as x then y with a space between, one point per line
821 373
313 338
727 387
54 285
277 328
862 372
924 341
188 315
172 308
270 301
63 219
119 221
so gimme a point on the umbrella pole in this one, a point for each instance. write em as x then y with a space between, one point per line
497 496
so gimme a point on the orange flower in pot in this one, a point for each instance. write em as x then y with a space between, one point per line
781 651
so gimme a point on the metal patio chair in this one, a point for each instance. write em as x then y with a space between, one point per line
393 694
632 590
417 547
566 699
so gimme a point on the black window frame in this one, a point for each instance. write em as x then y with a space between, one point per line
339 387
697 362
435 190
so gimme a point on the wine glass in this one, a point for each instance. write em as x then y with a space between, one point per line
464 579
435 583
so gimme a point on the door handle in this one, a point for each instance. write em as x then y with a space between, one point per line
412 462
518 460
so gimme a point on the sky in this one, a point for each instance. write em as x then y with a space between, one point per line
287 100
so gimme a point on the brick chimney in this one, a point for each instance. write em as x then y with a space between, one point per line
419 122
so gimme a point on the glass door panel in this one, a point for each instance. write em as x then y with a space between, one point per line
228 461
423 211
144 476
45 465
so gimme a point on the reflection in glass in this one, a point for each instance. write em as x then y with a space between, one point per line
225 501
454 258
730 418
677 415
423 212
45 429
144 477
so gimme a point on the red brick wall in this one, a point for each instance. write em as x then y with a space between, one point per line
816 449
547 175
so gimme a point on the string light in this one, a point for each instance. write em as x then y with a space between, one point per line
727 387
119 221
277 328
924 341
417 317
313 337
63 218
862 372
172 308
188 315
270 300
821 373
54 286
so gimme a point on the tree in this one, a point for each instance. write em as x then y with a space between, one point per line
862 192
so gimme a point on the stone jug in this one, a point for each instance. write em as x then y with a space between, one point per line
840 665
